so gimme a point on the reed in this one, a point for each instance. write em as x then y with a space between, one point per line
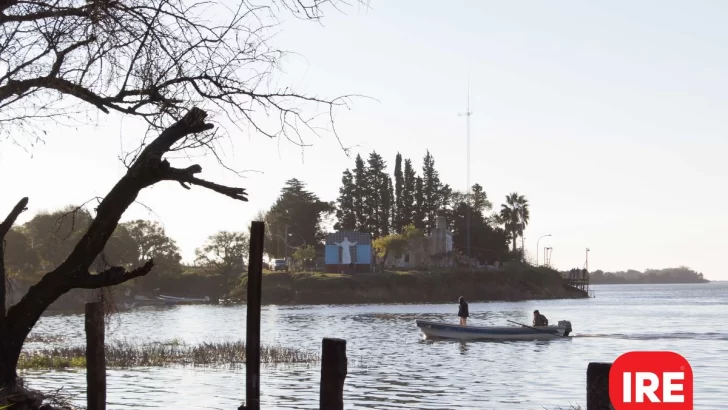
126 354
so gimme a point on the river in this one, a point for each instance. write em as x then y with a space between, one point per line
391 367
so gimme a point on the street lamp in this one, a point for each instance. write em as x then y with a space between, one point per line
302 238
537 248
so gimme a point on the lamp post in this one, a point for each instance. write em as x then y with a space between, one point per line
537 248
547 256
302 238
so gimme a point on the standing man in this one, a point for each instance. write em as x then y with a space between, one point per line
463 311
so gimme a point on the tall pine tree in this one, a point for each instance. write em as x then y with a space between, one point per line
345 211
387 192
361 189
408 194
376 202
419 213
398 214
432 192
392 207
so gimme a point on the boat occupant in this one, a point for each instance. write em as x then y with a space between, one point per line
539 319
463 311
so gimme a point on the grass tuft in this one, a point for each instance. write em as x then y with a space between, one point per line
124 355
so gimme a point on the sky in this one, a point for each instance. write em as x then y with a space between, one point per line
608 116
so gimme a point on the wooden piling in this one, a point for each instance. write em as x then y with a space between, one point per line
95 357
333 374
252 336
597 387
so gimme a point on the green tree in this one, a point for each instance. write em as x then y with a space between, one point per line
398 219
487 243
152 242
432 191
420 211
224 252
408 194
416 239
298 213
515 216
345 212
21 259
479 199
54 235
361 190
304 254
390 243
377 201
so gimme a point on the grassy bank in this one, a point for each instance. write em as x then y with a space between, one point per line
124 355
514 283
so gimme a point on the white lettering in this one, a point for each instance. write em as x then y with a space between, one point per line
668 387
641 390
627 387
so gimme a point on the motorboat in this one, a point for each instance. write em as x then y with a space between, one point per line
441 330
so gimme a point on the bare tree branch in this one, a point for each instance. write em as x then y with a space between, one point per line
186 176
155 59
113 276
19 208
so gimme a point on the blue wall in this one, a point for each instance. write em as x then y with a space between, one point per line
361 254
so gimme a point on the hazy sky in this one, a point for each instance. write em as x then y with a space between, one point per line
608 116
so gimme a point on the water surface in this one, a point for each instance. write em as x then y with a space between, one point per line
392 367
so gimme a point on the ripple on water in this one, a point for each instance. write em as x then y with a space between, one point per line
392 367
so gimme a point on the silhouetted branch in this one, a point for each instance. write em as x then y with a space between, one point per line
154 59
113 276
19 208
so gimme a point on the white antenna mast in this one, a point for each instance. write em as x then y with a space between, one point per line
467 115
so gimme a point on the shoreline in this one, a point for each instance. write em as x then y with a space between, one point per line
512 284
704 282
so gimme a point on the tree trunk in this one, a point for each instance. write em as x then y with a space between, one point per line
74 273
7 365
384 260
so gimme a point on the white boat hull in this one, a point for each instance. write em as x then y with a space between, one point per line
440 330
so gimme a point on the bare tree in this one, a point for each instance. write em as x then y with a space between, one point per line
173 63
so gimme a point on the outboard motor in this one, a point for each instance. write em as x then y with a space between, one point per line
566 325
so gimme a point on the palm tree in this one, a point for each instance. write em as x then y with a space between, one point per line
515 215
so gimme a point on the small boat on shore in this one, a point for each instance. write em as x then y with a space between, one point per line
159 300
440 330
184 301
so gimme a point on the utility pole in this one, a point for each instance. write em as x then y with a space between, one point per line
537 248
467 115
285 244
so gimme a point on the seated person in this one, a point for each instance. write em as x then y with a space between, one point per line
539 319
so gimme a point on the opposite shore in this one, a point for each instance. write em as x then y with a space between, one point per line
515 283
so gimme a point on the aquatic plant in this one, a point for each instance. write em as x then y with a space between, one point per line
125 354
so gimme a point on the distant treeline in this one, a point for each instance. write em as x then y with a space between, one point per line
670 275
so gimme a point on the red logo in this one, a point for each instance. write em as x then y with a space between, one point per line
651 381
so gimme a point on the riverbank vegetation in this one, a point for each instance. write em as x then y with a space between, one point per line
125 354
655 276
511 283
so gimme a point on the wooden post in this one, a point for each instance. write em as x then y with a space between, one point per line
252 336
597 387
333 373
95 357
